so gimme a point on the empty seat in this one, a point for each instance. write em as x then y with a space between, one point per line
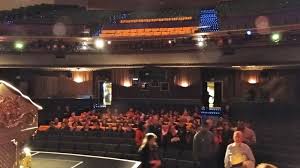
53 138
110 147
97 147
124 148
52 146
171 153
67 147
168 162
38 145
82 148
187 155
132 156
94 139
185 164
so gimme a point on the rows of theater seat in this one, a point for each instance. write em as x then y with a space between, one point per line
108 144
148 32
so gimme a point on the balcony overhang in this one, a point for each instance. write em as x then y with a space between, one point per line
259 56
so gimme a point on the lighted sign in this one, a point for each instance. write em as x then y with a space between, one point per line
209 20
211 93
107 93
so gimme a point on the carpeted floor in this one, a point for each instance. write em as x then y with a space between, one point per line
64 160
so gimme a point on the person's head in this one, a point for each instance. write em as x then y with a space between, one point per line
238 137
141 126
210 123
52 124
56 120
241 126
149 140
226 126
266 165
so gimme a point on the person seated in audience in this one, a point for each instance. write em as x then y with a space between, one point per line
65 127
52 126
181 130
249 134
109 128
96 127
139 134
210 124
86 128
74 126
238 154
120 128
72 118
190 132
57 124
130 113
174 136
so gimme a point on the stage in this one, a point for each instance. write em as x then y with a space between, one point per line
41 159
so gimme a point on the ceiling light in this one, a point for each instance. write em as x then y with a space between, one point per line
249 33
99 43
19 45
276 37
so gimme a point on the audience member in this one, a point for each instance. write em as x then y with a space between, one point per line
238 154
249 134
149 152
139 134
204 147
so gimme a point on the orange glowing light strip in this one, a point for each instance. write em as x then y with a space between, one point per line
157 20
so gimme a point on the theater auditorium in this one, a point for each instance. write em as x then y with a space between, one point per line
150 84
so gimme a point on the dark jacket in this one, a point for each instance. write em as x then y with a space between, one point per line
147 155
203 145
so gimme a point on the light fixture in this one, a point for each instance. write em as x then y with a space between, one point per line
200 38
127 83
248 32
184 84
78 79
201 44
19 45
276 37
252 81
109 42
99 43
84 45
170 41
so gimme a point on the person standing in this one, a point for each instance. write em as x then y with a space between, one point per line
238 154
204 147
149 153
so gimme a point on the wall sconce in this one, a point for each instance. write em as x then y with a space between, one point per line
184 84
127 83
78 79
252 81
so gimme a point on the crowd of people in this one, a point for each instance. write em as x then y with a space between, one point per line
171 129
